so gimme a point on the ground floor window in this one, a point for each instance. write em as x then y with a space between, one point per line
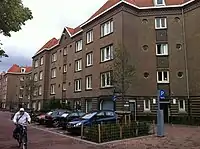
106 105
88 105
39 106
77 105
34 105
181 105
147 105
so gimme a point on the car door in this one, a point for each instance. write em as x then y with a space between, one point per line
99 117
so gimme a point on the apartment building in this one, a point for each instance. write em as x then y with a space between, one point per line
15 86
162 38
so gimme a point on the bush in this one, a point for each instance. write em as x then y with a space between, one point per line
113 131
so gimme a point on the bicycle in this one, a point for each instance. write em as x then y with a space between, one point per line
22 136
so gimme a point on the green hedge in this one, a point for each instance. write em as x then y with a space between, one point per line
111 132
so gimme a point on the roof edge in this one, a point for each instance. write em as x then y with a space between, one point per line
72 35
141 8
18 73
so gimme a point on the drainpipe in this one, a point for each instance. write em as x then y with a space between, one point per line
186 61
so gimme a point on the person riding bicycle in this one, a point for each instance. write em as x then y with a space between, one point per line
20 118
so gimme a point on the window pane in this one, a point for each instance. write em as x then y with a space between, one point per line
159 76
165 76
163 22
181 104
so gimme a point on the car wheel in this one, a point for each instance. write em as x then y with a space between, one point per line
55 123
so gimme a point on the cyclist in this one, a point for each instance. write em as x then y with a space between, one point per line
20 118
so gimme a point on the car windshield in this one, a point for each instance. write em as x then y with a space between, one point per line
88 115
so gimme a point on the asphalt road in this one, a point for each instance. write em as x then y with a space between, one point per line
176 137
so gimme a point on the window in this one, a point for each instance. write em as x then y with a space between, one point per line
89 59
52 89
163 76
40 90
79 45
107 28
41 75
161 49
65 68
23 70
159 2
21 78
106 79
35 92
77 85
54 57
42 60
181 105
88 105
89 36
88 82
64 86
146 105
65 51
160 23
107 53
36 63
53 73
78 65
29 97
35 77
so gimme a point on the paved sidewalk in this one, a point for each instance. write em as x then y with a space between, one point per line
177 137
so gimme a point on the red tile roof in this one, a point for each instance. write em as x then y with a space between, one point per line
111 3
17 69
49 44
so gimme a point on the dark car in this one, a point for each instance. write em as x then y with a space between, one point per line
41 118
68 117
52 119
95 117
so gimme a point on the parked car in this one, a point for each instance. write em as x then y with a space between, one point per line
68 117
52 119
41 118
94 117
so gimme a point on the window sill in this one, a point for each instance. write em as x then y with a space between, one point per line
89 42
78 70
106 35
78 51
106 87
162 28
182 112
163 55
147 111
53 77
105 61
162 82
52 93
77 91
88 66
88 89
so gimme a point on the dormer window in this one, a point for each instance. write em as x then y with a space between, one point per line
159 2
23 70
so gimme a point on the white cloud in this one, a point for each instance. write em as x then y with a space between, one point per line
50 17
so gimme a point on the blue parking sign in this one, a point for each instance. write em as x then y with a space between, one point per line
162 94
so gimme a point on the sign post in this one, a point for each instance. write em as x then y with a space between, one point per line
160 116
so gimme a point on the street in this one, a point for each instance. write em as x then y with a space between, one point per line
177 137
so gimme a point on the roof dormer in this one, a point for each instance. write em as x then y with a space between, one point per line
159 2
23 70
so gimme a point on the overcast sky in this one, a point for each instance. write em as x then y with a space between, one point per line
49 19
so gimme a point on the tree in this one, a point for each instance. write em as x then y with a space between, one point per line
123 70
13 15
31 87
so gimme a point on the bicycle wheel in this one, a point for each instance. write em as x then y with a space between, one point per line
24 144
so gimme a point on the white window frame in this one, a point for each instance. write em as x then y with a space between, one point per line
160 23
41 75
107 53
40 90
78 65
77 85
149 105
35 77
157 4
65 51
21 78
54 57
79 45
163 81
53 73
52 89
88 81
41 61
65 68
23 70
181 109
89 59
36 64
89 36
164 49
107 28
64 87
107 83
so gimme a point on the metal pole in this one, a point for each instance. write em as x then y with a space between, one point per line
160 118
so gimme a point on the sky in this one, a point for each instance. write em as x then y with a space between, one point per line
49 19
